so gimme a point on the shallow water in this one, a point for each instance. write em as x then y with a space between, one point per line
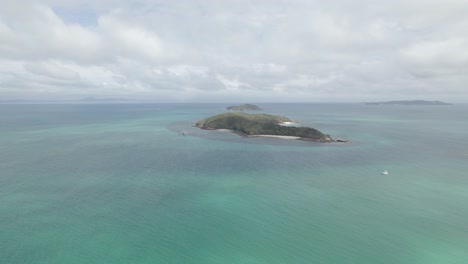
119 184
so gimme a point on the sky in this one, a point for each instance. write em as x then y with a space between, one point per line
242 50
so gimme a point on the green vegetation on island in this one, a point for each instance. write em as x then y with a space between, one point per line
261 124
244 107
412 102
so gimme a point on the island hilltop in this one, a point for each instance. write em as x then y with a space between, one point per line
412 102
244 107
261 125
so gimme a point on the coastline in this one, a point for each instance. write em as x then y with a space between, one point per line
253 136
327 140
275 136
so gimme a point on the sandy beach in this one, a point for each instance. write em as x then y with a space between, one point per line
224 130
287 123
276 136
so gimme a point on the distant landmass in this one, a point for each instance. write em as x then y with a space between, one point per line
262 125
93 99
244 107
412 102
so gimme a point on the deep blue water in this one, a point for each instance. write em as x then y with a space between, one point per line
118 183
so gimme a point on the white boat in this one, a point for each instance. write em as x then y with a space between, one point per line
385 173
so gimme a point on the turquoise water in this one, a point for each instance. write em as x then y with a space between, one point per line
119 184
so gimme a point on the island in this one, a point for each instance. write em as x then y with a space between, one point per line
244 107
412 102
262 125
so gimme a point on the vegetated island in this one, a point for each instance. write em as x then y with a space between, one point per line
244 107
262 125
412 102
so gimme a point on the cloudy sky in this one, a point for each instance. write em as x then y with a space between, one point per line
222 50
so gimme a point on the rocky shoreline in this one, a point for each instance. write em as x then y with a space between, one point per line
263 125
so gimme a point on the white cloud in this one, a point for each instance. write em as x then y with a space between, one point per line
35 32
130 41
307 50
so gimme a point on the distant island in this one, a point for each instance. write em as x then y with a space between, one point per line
244 107
412 102
94 99
262 125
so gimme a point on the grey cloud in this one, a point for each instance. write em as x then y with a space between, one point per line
52 70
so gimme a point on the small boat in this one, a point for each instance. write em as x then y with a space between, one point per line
385 173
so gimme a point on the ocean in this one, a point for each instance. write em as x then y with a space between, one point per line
120 183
